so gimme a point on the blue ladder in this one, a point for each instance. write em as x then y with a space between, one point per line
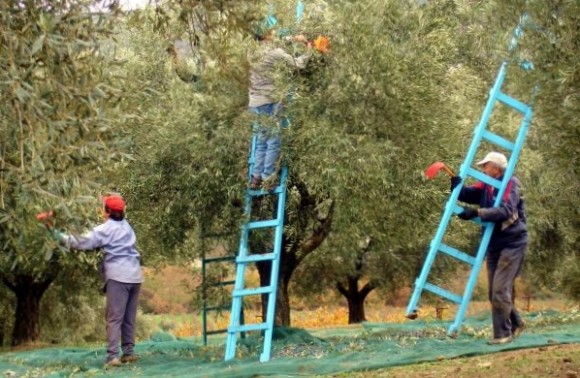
205 285
246 257
481 133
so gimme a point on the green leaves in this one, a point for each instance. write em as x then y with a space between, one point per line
37 45
59 128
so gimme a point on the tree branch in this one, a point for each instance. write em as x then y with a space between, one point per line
318 235
340 287
8 284
367 288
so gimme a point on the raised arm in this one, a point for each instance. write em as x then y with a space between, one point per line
299 62
90 240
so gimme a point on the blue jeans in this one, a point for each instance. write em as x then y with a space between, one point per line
268 141
503 266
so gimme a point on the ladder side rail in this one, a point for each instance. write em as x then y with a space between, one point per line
252 158
482 125
235 313
433 250
514 157
251 162
473 276
237 300
275 269
204 296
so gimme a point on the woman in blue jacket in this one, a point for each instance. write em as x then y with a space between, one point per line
121 273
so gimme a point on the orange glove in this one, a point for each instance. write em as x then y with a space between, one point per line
45 217
322 44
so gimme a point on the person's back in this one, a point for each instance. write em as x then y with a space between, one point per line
264 85
121 261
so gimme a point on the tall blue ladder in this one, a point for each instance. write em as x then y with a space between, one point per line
245 257
481 133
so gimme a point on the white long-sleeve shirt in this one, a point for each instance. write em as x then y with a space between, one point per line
122 261
263 62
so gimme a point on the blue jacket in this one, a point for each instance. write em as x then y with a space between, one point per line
509 217
122 262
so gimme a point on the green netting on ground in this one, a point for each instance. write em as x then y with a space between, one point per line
297 352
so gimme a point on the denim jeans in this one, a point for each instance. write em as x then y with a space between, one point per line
268 141
503 266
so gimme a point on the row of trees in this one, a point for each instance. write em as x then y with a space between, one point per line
91 104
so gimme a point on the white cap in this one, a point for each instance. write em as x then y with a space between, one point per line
496 158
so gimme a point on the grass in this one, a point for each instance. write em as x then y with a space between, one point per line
552 361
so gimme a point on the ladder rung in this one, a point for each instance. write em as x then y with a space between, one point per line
249 327
256 291
222 283
218 259
216 331
513 103
217 308
458 210
484 178
497 140
216 234
263 224
255 258
442 293
262 192
457 254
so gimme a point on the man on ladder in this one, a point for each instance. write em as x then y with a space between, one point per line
265 100
508 243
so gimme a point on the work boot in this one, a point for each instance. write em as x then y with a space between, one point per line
128 358
500 340
270 183
255 183
115 362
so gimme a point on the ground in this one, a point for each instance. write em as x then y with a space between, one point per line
553 361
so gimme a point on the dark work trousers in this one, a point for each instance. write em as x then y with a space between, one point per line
121 312
503 266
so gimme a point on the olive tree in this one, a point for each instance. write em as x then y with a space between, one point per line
58 142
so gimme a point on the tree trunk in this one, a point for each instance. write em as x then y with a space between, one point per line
355 298
282 312
283 304
356 309
312 229
28 294
2 322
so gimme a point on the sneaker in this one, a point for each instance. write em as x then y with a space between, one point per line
128 358
500 340
115 362
256 182
517 331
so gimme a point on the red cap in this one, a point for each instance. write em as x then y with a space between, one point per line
115 203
